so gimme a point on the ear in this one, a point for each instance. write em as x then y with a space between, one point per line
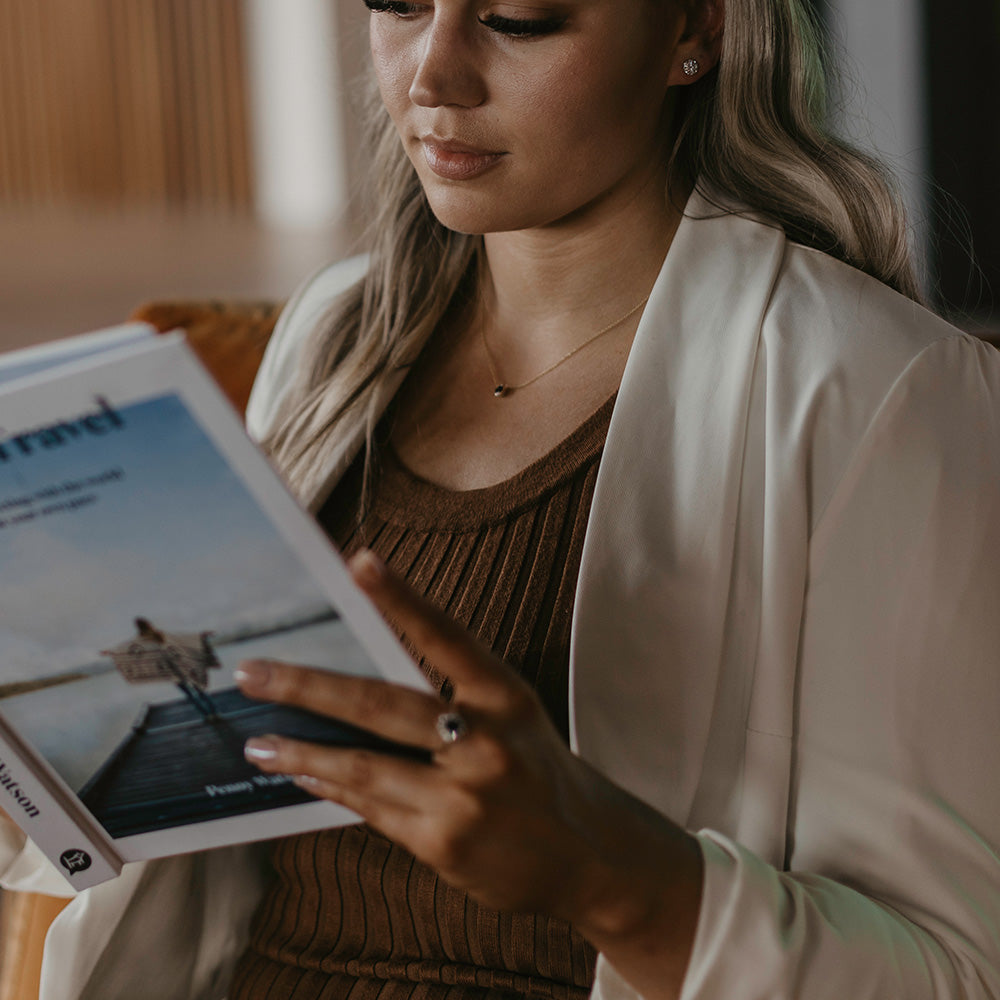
700 47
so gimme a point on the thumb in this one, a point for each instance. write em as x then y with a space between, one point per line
479 676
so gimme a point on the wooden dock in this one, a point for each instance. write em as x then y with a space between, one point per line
176 767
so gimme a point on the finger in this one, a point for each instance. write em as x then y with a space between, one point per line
392 821
358 779
435 636
391 711
405 801
398 823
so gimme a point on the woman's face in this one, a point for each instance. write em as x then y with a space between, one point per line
524 113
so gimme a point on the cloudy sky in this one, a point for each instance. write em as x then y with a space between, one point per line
172 536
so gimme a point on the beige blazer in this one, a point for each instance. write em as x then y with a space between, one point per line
785 638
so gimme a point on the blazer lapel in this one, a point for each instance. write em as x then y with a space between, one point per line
652 621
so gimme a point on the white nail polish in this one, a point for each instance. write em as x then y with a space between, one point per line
257 752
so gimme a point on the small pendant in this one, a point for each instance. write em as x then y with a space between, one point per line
500 391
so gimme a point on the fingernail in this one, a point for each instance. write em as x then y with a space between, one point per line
367 567
252 674
260 749
305 781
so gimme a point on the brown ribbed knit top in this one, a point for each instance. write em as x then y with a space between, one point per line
352 915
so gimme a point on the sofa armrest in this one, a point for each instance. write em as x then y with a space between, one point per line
228 337
25 922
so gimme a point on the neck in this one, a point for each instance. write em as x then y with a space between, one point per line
545 289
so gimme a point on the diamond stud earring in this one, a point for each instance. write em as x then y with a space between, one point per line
691 67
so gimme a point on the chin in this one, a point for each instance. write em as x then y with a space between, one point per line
477 216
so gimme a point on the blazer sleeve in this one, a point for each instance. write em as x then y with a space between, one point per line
304 310
24 868
892 883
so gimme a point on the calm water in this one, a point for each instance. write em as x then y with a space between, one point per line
76 726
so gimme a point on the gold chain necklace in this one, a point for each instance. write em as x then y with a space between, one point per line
504 388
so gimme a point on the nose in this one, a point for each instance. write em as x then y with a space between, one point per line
448 72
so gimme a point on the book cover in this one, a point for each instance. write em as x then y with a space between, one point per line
146 548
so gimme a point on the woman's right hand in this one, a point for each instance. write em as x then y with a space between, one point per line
506 812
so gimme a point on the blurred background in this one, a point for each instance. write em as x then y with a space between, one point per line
162 149
208 148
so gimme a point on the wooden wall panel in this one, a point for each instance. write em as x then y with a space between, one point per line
133 101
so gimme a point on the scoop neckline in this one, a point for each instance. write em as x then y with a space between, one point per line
404 496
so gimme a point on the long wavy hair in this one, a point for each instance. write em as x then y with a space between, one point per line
751 132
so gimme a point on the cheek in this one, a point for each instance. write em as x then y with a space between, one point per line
556 104
590 120
390 61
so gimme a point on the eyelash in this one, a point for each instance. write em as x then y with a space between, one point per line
511 26
517 28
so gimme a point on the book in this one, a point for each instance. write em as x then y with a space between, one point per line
147 547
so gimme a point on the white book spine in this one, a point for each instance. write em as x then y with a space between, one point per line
81 856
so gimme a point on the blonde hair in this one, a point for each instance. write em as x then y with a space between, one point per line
753 132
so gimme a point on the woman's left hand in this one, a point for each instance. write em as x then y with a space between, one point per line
506 812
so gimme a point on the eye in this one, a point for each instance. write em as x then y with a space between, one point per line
522 27
515 27
397 7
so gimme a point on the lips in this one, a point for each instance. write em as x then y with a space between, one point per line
456 161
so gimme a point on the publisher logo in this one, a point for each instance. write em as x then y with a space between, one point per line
75 861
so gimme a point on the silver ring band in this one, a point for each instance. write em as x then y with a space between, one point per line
451 727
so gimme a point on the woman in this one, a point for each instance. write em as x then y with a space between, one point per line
780 486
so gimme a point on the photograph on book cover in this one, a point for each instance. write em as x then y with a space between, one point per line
137 572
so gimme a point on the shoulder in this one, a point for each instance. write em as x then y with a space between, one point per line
816 312
830 325
842 354
831 315
304 310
